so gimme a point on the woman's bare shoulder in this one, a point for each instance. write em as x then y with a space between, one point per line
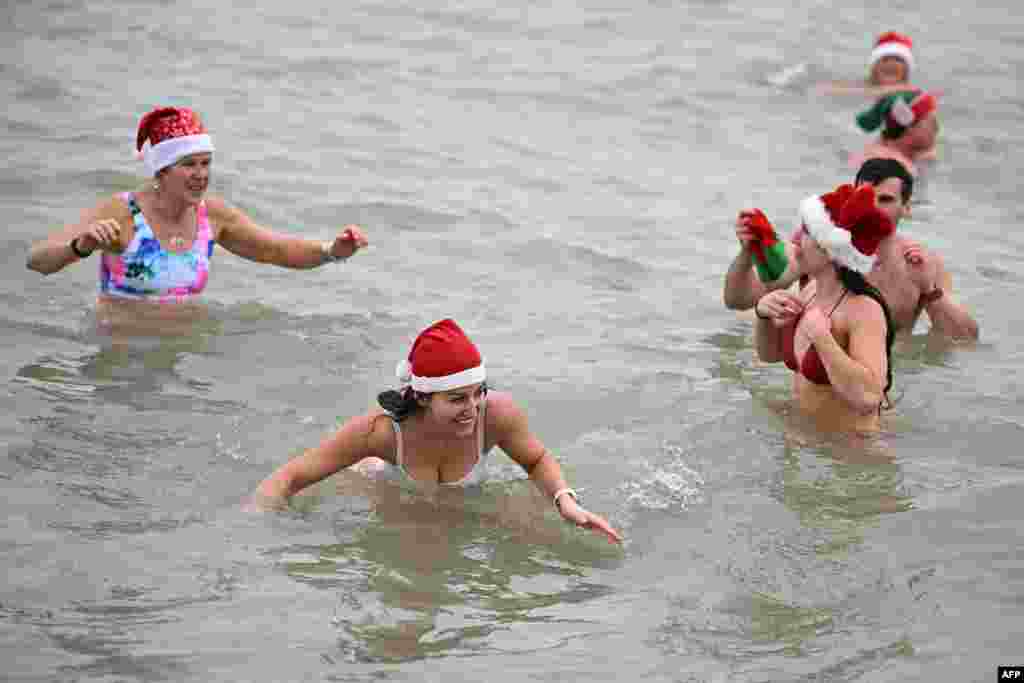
504 414
863 308
374 429
501 403
223 216
218 207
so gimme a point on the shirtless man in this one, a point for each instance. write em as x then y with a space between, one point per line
911 278
908 129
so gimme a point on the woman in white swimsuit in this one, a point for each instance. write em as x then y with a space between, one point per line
438 429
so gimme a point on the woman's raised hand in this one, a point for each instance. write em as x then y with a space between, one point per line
351 240
782 306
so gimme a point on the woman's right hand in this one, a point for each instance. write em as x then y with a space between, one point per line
780 306
104 234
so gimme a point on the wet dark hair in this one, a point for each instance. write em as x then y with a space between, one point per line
875 171
401 404
856 283
405 402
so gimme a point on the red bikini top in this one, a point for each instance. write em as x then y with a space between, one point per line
811 366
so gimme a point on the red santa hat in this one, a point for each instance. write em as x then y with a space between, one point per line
442 358
168 134
892 44
847 224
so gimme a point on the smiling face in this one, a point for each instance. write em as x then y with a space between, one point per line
889 71
455 411
189 178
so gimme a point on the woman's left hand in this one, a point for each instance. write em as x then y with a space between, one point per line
351 240
581 517
814 325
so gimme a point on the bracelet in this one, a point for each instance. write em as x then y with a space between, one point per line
328 255
78 252
758 313
561 492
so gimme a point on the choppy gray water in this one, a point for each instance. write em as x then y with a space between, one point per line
561 179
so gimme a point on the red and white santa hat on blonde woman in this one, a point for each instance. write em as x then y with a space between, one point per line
442 358
168 134
847 224
892 44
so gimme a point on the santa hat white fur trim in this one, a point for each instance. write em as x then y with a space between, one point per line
168 152
833 239
428 385
892 49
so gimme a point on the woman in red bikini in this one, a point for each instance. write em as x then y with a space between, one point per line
836 333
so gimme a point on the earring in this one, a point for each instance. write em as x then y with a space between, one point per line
156 186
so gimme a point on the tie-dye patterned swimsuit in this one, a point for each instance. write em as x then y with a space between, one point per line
145 270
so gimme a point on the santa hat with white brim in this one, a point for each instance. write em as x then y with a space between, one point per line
442 358
847 224
168 134
893 44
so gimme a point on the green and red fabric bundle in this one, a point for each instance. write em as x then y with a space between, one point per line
769 251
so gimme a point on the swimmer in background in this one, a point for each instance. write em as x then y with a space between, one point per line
908 129
436 430
888 70
156 244
891 62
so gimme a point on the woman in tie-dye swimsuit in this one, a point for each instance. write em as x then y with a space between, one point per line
146 270
157 243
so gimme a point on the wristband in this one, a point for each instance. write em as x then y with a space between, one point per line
758 313
561 492
79 253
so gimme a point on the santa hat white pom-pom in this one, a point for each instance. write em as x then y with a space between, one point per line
902 113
